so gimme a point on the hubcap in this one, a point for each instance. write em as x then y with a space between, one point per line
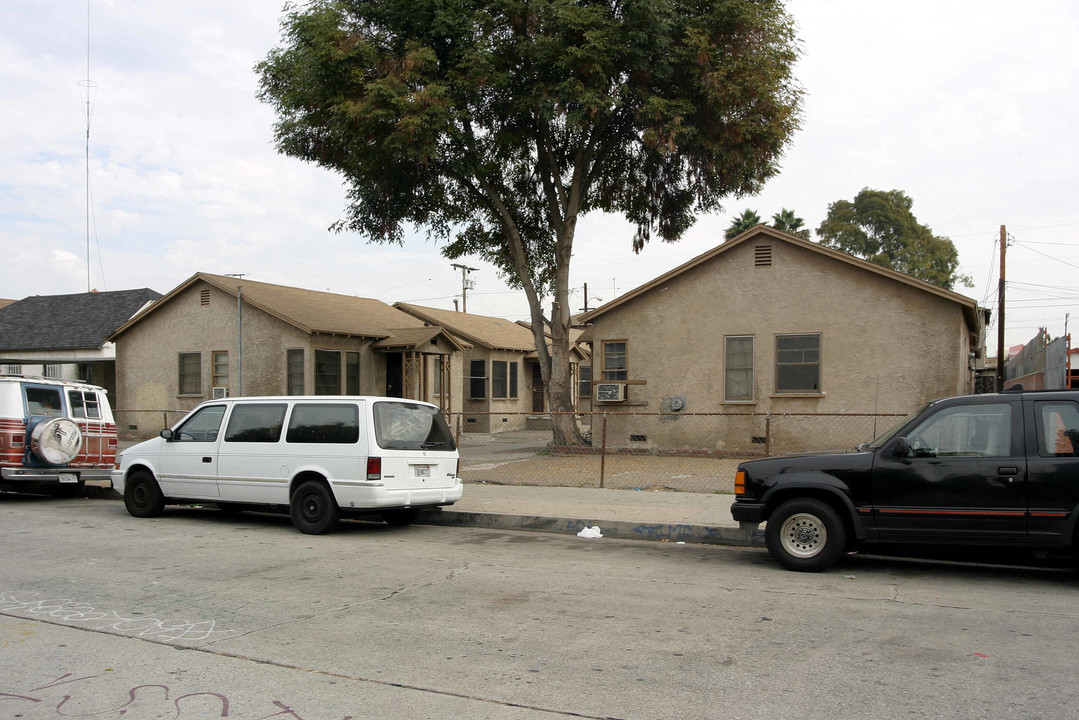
803 535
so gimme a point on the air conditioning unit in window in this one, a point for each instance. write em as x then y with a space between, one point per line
220 392
610 392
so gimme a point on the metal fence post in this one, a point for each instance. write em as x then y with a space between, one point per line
603 450
768 435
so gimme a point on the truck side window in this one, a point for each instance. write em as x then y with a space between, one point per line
965 431
1058 429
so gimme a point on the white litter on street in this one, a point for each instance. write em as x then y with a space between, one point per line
590 532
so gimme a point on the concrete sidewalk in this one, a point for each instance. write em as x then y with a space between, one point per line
627 514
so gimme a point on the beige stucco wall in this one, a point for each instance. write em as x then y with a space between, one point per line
489 414
885 347
147 354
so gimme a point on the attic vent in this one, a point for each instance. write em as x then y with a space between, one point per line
204 297
762 256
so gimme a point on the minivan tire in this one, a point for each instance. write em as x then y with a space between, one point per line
142 496
805 534
313 508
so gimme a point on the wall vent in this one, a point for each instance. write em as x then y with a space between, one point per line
204 297
638 438
762 256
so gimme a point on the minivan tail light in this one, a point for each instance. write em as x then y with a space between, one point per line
374 468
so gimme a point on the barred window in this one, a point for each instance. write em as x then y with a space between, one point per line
191 373
798 363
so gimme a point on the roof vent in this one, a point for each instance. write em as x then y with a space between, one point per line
762 256
204 297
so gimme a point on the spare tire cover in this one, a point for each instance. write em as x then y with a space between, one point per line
56 441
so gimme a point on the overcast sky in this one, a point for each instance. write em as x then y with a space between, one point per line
969 108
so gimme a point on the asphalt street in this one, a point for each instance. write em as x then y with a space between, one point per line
202 614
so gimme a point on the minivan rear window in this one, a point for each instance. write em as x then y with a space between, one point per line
408 426
323 423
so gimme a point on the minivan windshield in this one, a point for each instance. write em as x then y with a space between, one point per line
409 426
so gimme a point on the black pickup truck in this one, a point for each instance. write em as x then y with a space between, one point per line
997 469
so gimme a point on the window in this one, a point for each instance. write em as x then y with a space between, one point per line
738 369
11 369
294 372
798 363
84 404
407 426
221 369
255 423
967 431
191 373
477 379
1058 429
314 423
327 372
584 381
614 361
503 379
352 373
202 426
52 370
436 376
43 402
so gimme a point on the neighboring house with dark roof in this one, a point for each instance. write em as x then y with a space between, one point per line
66 336
502 384
768 326
215 335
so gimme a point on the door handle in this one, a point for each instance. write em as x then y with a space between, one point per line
1007 471
207 459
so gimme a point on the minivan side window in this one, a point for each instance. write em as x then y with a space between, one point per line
323 423
255 423
203 426
407 426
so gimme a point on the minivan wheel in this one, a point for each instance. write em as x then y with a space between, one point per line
399 518
805 535
313 508
142 496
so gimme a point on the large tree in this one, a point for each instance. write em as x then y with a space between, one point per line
879 226
747 220
495 124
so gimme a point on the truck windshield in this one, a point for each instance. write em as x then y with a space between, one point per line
890 432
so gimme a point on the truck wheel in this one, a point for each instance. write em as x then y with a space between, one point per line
313 508
805 535
142 496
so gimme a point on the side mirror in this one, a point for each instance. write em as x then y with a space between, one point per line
901 448
167 434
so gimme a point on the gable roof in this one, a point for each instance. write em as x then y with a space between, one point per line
490 332
969 305
311 311
69 322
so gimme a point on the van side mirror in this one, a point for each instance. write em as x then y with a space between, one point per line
167 434
901 448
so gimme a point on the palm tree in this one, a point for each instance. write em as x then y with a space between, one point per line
748 219
787 221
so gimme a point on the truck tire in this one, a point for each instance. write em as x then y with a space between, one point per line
806 535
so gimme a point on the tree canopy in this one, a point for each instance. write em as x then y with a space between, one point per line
880 226
784 220
494 125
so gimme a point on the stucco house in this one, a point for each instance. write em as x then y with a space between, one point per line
770 324
502 384
216 335
65 336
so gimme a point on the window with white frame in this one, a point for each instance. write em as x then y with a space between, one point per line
738 368
221 369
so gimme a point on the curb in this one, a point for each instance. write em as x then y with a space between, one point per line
618 529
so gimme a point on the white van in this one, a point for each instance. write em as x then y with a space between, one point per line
317 455
54 434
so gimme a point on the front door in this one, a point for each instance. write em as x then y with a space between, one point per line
537 389
395 375
966 477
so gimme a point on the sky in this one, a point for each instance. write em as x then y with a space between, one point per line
969 108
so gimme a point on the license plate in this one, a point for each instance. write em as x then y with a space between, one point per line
423 470
69 478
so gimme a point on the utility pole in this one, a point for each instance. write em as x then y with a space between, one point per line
467 283
1000 310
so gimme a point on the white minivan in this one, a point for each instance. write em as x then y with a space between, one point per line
319 456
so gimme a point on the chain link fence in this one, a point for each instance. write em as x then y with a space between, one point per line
688 452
